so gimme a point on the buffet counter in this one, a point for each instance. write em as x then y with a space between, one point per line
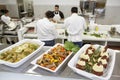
64 73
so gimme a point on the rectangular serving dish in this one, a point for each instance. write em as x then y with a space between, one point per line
63 62
107 72
25 76
17 64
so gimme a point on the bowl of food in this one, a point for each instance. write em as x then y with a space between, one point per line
15 55
93 61
53 59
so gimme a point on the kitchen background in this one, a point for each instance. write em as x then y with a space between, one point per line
37 8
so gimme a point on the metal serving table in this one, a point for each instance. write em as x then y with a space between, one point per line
64 72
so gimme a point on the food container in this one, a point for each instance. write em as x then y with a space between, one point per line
23 60
34 62
106 73
25 76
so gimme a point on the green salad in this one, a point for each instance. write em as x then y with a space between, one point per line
71 46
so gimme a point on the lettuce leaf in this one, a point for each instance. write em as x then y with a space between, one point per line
71 46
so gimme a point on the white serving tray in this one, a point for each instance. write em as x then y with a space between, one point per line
36 65
19 76
107 72
17 64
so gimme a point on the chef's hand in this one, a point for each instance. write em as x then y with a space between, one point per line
54 21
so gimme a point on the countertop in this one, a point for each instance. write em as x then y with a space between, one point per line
59 27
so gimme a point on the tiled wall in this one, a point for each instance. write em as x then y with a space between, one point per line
39 10
111 16
11 6
13 10
111 13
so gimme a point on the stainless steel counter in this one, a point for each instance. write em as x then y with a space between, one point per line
64 72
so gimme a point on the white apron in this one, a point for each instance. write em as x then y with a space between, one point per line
12 25
57 17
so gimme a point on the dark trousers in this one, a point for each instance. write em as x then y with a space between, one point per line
49 43
78 43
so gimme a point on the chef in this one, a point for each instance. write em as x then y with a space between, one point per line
7 20
46 29
58 15
11 25
75 26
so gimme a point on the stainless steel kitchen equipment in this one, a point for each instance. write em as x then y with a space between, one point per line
92 6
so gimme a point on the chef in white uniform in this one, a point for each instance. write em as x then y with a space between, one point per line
58 15
11 25
7 20
46 29
75 26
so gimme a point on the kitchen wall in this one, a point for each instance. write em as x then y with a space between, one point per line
41 6
111 16
27 4
61 2
113 3
112 11
3 2
2 5
11 6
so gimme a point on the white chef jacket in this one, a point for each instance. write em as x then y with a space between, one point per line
75 26
6 19
46 30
